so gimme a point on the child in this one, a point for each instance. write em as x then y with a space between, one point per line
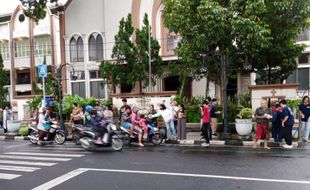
142 124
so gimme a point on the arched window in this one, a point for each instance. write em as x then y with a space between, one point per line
76 49
95 48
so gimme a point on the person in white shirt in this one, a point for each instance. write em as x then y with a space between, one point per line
168 118
7 115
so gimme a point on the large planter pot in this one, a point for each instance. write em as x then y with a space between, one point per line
244 126
13 125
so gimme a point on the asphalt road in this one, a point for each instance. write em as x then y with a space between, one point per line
164 167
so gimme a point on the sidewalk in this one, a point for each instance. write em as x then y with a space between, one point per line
193 139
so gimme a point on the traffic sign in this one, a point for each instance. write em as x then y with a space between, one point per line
42 70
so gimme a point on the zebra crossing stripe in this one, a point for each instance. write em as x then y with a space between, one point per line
44 154
8 176
18 168
35 158
59 148
27 163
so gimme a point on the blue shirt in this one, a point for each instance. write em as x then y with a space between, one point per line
305 109
288 112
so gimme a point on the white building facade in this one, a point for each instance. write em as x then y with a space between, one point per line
23 45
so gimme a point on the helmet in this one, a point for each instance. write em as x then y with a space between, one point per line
88 108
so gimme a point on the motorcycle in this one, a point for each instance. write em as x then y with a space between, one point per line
55 133
76 133
112 138
153 136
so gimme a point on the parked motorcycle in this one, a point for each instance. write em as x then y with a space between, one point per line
153 135
55 133
112 138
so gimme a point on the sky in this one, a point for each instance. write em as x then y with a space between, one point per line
8 6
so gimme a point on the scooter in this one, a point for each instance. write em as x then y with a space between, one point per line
153 135
112 138
76 133
55 133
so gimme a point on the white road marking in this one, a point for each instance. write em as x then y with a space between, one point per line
58 148
60 179
18 168
8 176
44 154
29 163
74 173
34 158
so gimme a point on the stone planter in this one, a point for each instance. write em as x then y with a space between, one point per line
13 125
244 126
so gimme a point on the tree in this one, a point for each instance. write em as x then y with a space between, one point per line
3 82
286 19
209 26
131 60
35 9
243 30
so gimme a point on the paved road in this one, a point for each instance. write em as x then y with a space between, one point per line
23 166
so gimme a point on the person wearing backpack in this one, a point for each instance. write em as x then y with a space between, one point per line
287 124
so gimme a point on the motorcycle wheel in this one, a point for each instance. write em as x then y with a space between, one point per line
34 134
117 144
85 142
76 137
156 139
60 137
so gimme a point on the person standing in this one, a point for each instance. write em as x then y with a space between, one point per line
7 115
168 118
304 110
181 123
152 111
277 123
262 115
1 117
287 124
213 115
206 127
77 114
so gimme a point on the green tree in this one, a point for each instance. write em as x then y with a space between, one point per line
131 59
243 30
208 26
35 9
3 82
286 19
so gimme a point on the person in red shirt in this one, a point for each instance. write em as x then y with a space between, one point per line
206 127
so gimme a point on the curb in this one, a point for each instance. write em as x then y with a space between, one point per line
182 142
13 138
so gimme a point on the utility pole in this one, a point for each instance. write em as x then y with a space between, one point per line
150 58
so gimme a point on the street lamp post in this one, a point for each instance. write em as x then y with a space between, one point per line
224 63
58 78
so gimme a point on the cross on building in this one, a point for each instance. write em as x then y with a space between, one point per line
273 92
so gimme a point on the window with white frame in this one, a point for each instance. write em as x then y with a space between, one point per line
95 47
5 50
78 86
97 86
76 49
172 41
42 46
21 48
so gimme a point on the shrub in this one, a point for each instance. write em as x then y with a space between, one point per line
245 113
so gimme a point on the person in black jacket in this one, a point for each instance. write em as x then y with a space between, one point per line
277 123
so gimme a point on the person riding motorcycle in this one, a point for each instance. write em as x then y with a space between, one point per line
43 125
98 124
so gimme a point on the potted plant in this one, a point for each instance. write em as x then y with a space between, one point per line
244 122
